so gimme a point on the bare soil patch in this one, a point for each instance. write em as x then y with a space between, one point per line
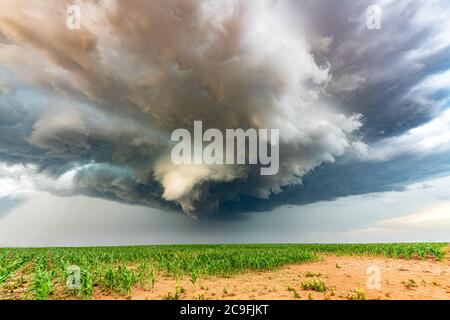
345 277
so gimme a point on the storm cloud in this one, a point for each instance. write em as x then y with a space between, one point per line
97 105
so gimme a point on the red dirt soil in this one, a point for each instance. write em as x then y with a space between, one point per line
345 278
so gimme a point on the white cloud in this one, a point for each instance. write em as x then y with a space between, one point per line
421 213
437 14
436 215
433 83
432 137
423 92
19 180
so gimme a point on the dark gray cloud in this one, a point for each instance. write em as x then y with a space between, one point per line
375 71
330 182
99 103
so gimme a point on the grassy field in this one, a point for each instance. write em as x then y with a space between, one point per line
43 273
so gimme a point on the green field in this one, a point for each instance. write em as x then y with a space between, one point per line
43 273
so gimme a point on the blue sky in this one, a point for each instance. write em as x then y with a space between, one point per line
85 116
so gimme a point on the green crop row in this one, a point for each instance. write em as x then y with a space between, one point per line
118 269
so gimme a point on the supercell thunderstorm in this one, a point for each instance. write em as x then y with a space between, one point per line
95 107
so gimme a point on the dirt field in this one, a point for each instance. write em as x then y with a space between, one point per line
344 277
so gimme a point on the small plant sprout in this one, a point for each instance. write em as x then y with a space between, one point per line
314 285
357 295
410 283
312 274
194 277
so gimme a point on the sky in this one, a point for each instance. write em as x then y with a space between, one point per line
88 102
